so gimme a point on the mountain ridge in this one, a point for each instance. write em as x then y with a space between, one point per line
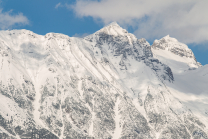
106 85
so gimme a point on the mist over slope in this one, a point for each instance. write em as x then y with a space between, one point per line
107 85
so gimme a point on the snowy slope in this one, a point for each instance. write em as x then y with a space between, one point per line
107 85
190 77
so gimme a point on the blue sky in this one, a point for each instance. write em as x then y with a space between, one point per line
82 17
44 17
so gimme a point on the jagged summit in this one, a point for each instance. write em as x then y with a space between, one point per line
113 24
169 39
177 52
173 45
113 29
173 40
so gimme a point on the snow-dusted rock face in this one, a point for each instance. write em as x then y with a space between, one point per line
106 85
170 48
171 44
123 48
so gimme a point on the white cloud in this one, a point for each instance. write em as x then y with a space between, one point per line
185 20
80 35
8 20
58 5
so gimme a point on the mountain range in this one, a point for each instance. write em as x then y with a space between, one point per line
108 85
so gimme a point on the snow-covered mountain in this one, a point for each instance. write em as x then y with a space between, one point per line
107 85
169 49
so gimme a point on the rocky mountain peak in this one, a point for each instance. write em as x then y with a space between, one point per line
169 39
112 32
171 48
113 24
113 29
171 44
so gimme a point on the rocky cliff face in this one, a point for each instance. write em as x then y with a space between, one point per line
106 85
